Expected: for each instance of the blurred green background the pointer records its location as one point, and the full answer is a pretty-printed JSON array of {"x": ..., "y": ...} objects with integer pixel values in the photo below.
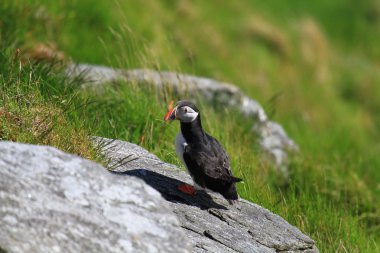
[{"x": 313, "y": 65}]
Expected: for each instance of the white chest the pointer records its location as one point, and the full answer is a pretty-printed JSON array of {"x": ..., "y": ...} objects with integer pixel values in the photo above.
[{"x": 180, "y": 145}]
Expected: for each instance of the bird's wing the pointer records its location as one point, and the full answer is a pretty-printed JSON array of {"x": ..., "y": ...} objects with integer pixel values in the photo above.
[{"x": 212, "y": 161}]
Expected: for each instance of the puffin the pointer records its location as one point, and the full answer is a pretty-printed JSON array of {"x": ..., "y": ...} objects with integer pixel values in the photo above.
[{"x": 204, "y": 157}]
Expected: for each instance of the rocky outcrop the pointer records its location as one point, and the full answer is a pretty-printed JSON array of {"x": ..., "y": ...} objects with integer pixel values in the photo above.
[
  {"x": 272, "y": 138},
  {"x": 208, "y": 221},
  {"x": 56, "y": 202},
  {"x": 51, "y": 201}
]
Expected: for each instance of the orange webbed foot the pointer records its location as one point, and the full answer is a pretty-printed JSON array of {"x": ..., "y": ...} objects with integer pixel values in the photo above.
[{"x": 187, "y": 189}]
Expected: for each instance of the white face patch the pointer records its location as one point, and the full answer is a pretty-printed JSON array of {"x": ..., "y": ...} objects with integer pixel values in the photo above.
[{"x": 186, "y": 114}]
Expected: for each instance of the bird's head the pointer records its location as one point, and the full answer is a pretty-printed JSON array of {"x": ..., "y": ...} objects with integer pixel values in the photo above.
[{"x": 184, "y": 111}]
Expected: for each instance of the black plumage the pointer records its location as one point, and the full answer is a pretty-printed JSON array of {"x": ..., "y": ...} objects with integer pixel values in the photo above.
[{"x": 205, "y": 158}]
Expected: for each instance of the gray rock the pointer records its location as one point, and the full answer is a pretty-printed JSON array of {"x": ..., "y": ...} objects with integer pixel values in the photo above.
[
  {"x": 272, "y": 138},
  {"x": 51, "y": 201},
  {"x": 207, "y": 219}
]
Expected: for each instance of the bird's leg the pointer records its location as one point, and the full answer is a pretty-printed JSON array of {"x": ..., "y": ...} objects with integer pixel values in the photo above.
[{"x": 187, "y": 189}]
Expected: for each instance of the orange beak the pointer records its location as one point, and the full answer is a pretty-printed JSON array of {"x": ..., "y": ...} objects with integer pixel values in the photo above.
[{"x": 170, "y": 115}]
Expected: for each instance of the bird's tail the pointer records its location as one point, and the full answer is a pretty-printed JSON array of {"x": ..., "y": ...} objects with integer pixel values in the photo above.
[
  {"x": 231, "y": 194},
  {"x": 235, "y": 179}
]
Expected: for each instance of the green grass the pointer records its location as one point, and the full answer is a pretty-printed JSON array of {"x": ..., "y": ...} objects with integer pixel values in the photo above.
[{"x": 328, "y": 102}]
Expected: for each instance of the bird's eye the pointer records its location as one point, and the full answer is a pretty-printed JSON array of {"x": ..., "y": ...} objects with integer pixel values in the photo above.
[{"x": 185, "y": 110}]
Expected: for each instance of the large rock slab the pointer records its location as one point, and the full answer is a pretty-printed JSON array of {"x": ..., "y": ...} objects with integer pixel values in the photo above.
[
  {"x": 51, "y": 201},
  {"x": 207, "y": 219},
  {"x": 273, "y": 140}
]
